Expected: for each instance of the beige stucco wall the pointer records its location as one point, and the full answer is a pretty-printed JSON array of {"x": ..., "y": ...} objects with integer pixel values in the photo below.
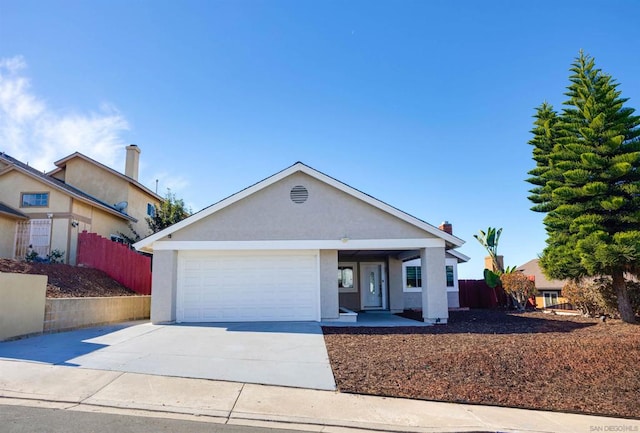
[
  {"x": 62, "y": 314},
  {"x": 96, "y": 181},
  {"x": 14, "y": 183},
  {"x": 60, "y": 236},
  {"x": 22, "y": 306},
  {"x": 329, "y": 306},
  {"x": 105, "y": 224},
  {"x": 137, "y": 208},
  {"x": 7, "y": 236},
  {"x": 164, "y": 283},
  {"x": 269, "y": 214},
  {"x": 112, "y": 189}
]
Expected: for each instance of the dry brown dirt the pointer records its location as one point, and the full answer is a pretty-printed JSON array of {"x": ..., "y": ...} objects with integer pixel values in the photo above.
[
  {"x": 528, "y": 360},
  {"x": 66, "y": 281}
]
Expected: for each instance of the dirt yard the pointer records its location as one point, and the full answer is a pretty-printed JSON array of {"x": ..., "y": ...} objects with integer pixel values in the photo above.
[
  {"x": 530, "y": 360},
  {"x": 67, "y": 281}
]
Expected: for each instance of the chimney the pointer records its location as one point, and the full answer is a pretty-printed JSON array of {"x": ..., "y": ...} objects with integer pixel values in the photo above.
[
  {"x": 446, "y": 227},
  {"x": 132, "y": 162}
]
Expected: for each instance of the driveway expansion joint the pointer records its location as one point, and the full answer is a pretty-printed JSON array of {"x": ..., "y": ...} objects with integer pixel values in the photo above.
[{"x": 101, "y": 388}]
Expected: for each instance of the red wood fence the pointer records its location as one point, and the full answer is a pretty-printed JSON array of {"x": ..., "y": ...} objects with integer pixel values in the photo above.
[
  {"x": 476, "y": 294},
  {"x": 124, "y": 265}
]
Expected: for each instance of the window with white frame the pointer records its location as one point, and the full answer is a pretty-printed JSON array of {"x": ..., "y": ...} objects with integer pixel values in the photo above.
[
  {"x": 550, "y": 298},
  {"x": 347, "y": 281},
  {"x": 413, "y": 277},
  {"x": 151, "y": 210},
  {"x": 450, "y": 278}
]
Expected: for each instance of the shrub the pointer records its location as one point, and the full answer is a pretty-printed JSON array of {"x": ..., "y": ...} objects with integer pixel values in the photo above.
[
  {"x": 55, "y": 256},
  {"x": 519, "y": 287},
  {"x": 596, "y": 297}
]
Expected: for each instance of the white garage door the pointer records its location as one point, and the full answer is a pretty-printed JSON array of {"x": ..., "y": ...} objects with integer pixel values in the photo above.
[{"x": 216, "y": 287}]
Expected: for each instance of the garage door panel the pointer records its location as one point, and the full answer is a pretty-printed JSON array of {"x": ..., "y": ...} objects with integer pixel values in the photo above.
[{"x": 265, "y": 287}]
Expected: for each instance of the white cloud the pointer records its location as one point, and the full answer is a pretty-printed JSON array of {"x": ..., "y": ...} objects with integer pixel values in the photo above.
[{"x": 35, "y": 133}]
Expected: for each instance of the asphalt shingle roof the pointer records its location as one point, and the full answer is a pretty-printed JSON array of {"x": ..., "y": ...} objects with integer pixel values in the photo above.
[{"x": 62, "y": 185}]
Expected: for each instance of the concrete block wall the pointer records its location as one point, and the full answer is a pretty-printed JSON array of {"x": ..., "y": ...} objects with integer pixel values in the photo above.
[{"x": 70, "y": 313}]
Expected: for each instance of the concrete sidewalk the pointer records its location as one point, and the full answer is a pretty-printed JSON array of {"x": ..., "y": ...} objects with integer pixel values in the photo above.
[{"x": 29, "y": 383}]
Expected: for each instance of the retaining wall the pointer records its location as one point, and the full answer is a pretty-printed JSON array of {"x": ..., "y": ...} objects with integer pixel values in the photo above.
[{"x": 63, "y": 314}]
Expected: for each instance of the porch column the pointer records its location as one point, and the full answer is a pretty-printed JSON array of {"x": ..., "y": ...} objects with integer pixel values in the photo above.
[
  {"x": 396, "y": 294},
  {"x": 329, "y": 299},
  {"x": 434, "y": 285}
]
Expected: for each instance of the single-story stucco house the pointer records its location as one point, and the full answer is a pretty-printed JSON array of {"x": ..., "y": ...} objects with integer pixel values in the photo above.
[{"x": 299, "y": 246}]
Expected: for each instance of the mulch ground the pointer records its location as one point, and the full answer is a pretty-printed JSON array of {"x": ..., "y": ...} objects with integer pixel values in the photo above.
[
  {"x": 66, "y": 281},
  {"x": 528, "y": 360}
]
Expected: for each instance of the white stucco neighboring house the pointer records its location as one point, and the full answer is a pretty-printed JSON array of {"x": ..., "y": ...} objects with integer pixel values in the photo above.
[{"x": 299, "y": 246}]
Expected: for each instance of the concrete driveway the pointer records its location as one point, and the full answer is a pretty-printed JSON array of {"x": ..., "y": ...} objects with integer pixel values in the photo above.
[{"x": 275, "y": 353}]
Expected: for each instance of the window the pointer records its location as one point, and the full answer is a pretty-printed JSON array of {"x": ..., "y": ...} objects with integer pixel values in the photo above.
[
  {"x": 414, "y": 276},
  {"x": 550, "y": 298},
  {"x": 449, "y": 276},
  {"x": 35, "y": 199},
  {"x": 151, "y": 210},
  {"x": 346, "y": 278},
  {"x": 117, "y": 238}
]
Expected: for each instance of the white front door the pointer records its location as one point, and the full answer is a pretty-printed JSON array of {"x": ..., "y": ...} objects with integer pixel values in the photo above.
[{"x": 372, "y": 285}]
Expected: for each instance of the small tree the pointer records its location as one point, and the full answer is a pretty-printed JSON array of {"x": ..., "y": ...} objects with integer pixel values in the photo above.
[
  {"x": 519, "y": 287},
  {"x": 170, "y": 211}
]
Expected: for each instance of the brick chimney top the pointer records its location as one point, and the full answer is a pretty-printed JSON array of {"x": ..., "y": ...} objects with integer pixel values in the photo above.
[{"x": 446, "y": 227}]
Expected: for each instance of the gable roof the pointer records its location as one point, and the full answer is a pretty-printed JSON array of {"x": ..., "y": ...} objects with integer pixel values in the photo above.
[
  {"x": 462, "y": 258},
  {"x": 7, "y": 210},
  {"x": 61, "y": 163},
  {"x": 532, "y": 267},
  {"x": 452, "y": 241},
  {"x": 20, "y": 166}
]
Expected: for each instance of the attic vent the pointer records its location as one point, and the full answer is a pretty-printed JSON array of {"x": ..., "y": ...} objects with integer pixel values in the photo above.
[{"x": 299, "y": 194}]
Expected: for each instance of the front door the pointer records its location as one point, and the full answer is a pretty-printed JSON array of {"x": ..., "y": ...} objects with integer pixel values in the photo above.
[{"x": 372, "y": 284}]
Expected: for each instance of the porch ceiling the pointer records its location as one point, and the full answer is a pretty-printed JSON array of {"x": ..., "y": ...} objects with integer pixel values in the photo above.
[{"x": 355, "y": 255}]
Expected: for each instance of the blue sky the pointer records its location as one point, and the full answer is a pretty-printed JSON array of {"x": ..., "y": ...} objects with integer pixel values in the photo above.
[{"x": 425, "y": 105}]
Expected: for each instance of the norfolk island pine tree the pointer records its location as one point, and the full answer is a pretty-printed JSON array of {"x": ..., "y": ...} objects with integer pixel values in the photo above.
[{"x": 587, "y": 181}]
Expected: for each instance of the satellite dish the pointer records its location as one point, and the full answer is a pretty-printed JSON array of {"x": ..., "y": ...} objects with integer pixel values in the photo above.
[{"x": 121, "y": 206}]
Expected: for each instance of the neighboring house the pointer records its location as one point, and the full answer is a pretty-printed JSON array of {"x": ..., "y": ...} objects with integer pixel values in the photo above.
[
  {"x": 9, "y": 218},
  {"x": 549, "y": 291},
  {"x": 297, "y": 246},
  {"x": 46, "y": 211}
]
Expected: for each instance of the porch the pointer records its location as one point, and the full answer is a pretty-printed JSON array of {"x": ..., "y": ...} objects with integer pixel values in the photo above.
[
  {"x": 373, "y": 282},
  {"x": 380, "y": 319}
]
